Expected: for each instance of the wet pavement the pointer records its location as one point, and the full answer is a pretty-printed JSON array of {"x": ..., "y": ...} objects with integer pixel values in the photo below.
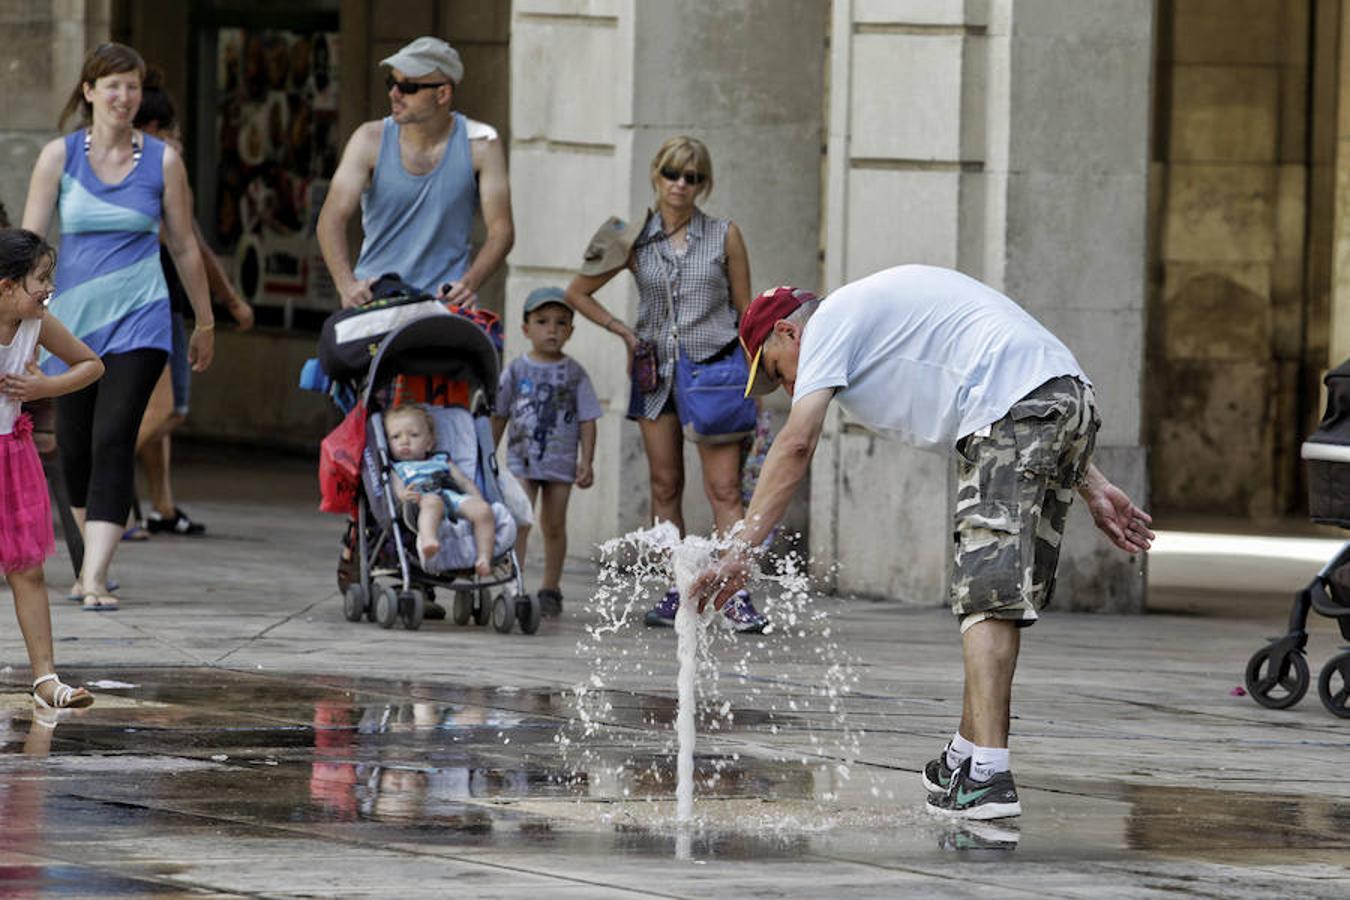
[{"x": 248, "y": 741}]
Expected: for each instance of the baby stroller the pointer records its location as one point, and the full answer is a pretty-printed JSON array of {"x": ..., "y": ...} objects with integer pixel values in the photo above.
[
  {"x": 1277, "y": 674},
  {"x": 390, "y": 585}
]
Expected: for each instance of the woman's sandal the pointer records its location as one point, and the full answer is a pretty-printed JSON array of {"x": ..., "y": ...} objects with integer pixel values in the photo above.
[
  {"x": 77, "y": 595},
  {"x": 100, "y": 603},
  {"x": 63, "y": 695}
]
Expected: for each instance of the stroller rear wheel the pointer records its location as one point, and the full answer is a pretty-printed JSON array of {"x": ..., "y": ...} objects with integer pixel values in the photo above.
[
  {"x": 502, "y": 618},
  {"x": 354, "y": 602},
  {"x": 1335, "y": 697},
  {"x": 482, "y": 612},
  {"x": 386, "y": 606},
  {"x": 461, "y": 608},
  {"x": 529, "y": 612},
  {"x": 1277, "y": 675},
  {"x": 411, "y": 609}
]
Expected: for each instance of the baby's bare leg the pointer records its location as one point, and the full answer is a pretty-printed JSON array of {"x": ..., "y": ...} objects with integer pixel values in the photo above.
[
  {"x": 479, "y": 515},
  {"x": 430, "y": 512}
]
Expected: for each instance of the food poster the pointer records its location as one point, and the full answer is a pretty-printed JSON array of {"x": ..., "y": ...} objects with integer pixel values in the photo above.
[{"x": 277, "y": 145}]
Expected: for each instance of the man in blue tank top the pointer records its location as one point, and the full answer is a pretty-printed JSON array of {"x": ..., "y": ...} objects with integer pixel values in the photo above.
[{"x": 418, "y": 176}]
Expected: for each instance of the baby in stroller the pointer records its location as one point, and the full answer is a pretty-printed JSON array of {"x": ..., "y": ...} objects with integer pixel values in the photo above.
[{"x": 433, "y": 488}]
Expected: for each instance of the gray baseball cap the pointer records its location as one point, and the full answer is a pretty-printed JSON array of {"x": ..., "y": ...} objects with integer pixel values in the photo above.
[
  {"x": 425, "y": 56},
  {"x": 543, "y": 296}
]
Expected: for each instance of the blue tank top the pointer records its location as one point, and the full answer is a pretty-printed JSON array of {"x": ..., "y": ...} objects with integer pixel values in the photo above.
[
  {"x": 110, "y": 288},
  {"x": 419, "y": 225}
]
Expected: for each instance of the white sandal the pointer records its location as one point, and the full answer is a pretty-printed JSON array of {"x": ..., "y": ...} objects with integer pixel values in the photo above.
[{"x": 63, "y": 697}]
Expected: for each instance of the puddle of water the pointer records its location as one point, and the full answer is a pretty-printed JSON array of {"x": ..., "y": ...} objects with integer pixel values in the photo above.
[{"x": 440, "y": 774}]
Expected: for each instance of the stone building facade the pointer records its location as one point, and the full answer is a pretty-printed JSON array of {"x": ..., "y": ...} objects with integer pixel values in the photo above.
[{"x": 1153, "y": 179}]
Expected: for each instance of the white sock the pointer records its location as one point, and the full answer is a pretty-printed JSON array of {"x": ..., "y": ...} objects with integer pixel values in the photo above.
[
  {"x": 986, "y": 762},
  {"x": 958, "y": 751}
]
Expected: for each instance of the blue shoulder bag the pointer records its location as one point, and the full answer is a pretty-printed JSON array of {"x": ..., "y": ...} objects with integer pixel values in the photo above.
[{"x": 710, "y": 395}]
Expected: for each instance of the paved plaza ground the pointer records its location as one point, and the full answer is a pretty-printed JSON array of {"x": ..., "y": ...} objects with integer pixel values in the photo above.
[{"x": 261, "y": 745}]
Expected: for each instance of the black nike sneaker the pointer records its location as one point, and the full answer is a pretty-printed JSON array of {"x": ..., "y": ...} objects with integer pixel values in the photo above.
[
  {"x": 937, "y": 775},
  {"x": 967, "y": 798}
]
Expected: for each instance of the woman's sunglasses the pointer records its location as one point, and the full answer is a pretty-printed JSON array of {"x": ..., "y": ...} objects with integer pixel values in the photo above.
[
  {"x": 691, "y": 178},
  {"x": 407, "y": 88}
]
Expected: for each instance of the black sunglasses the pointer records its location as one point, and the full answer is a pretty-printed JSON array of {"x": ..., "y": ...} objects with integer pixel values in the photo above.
[
  {"x": 408, "y": 88},
  {"x": 693, "y": 179}
]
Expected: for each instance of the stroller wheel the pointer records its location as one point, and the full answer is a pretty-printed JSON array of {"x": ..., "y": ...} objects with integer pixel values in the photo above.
[
  {"x": 386, "y": 606},
  {"x": 461, "y": 608},
  {"x": 1335, "y": 696},
  {"x": 411, "y": 609},
  {"x": 502, "y": 619},
  {"x": 1277, "y": 675},
  {"x": 529, "y": 612},
  {"x": 482, "y": 611},
  {"x": 354, "y": 602}
]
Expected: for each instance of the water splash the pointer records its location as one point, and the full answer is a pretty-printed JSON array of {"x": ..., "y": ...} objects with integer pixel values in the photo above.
[{"x": 779, "y": 696}]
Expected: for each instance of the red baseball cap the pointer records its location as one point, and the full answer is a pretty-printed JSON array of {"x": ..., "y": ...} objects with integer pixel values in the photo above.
[{"x": 757, "y": 324}]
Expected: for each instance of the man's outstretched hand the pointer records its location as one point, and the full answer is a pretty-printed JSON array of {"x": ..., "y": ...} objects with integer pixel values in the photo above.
[
  {"x": 720, "y": 581},
  {"x": 1115, "y": 514}
]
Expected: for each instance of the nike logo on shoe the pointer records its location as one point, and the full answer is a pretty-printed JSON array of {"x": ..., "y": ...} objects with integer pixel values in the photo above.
[{"x": 963, "y": 796}]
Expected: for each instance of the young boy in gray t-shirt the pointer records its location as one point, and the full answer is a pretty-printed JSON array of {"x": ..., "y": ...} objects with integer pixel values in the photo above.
[{"x": 547, "y": 407}]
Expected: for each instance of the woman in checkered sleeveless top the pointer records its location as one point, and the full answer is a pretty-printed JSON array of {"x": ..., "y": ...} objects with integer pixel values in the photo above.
[{"x": 693, "y": 277}]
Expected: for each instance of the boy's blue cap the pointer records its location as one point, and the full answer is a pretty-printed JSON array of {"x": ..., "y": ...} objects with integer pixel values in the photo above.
[{"x": 544, "y": 296}]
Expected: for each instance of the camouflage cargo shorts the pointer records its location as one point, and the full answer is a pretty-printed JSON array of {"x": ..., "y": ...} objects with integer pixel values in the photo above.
[{"x": 1015, "y": 482}]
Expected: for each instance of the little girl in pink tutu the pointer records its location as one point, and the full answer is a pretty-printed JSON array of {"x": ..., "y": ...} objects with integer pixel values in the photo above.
[{"x": 26, "y": 265}]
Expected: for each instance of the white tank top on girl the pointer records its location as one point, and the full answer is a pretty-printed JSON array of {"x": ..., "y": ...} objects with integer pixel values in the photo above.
[
  {"x": 926, "y": 355},
  {"x": 14, "y": 359}
]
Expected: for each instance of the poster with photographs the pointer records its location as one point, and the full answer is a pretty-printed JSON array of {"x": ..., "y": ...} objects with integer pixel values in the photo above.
[{"x": 278, "y": 146}]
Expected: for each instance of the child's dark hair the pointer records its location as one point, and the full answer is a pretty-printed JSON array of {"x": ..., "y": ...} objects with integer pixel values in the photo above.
[
  {"x": 4, "y": 216},
  {"x": 156, "y": 102},
  {"x": 106, "y": 59},
  {"x": 22, "y": 252}
]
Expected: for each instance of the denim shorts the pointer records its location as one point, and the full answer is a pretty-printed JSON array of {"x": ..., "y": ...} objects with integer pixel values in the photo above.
[{"x": 180, "y": 371}]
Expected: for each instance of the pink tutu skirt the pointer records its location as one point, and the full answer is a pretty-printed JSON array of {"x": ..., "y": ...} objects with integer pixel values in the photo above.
[{"x": 26, "y": 538}]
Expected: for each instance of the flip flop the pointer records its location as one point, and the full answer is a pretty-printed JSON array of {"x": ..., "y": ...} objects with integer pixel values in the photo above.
[
  {"x": 135, "y": 533},
  {"x": 100, "y": 603},
  {"x": 113, "y": 585}
]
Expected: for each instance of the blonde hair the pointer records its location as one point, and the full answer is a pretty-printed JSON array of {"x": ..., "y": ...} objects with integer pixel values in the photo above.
[
  {"x": 412, "y": 409},
  {"x": 684, "y": 152}
]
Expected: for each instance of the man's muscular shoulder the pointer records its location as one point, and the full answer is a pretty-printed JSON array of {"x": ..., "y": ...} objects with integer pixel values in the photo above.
[{"x": 365, "y": 141}]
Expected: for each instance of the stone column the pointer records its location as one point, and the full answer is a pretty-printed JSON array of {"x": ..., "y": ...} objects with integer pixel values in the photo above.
[
  {"x": 45, "y": 43},
  {"x": 1339, "y": 347},
  {"x": 596, "y": 87},
  {"x": 1007, "y": 139},
  {"x": 906, "y": 166},
  {"x": 1074, "y": 223}
]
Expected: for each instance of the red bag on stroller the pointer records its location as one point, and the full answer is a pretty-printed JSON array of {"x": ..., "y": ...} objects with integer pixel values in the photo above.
[{"x": 340, "y": 463}]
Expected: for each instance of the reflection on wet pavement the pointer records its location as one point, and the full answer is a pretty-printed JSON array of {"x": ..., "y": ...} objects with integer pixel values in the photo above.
[{"x": 171, "y": 788}]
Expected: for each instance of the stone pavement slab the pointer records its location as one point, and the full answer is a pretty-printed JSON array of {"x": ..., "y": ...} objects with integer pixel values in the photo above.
[{"x": 263, "y": 746}]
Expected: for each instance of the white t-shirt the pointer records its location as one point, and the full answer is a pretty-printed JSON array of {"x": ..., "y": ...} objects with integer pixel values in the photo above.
[{"x": 926, "y": 355}]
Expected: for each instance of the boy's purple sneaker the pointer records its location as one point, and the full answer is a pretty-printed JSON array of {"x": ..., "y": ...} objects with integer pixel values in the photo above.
[
  {"x": 743, "y": 616},
  {"x": 740, "y": 613},
  {"x": 662, "y": 615}
]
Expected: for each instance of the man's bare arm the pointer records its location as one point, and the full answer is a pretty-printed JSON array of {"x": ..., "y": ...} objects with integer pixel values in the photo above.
[
  {"x": 786, "y": 465},
  {"x": 343, "y": 200},
  {"x": 494, "y": 198}
]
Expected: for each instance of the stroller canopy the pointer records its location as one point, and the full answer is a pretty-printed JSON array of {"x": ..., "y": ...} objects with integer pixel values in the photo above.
[
  {"x": 1335, "y": 425},
  {"x": 451, "y": 346}
]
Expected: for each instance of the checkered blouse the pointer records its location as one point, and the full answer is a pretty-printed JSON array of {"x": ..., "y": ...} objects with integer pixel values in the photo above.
[{"x": 705, "y": 318}]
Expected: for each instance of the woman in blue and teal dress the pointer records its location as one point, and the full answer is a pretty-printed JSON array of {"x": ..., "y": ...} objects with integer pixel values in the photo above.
[{"x": 115, "y": 187}]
